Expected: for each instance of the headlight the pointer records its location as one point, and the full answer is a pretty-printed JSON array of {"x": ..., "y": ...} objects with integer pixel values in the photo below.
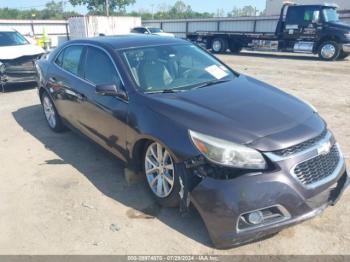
[
  {"x": 347, "y": 35},
  {"x": 227, "y": 153},
  {"x": 2, "y": 68}
]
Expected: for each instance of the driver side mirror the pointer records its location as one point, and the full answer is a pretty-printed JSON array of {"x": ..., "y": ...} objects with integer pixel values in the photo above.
[{"x": 111, "y": 90}]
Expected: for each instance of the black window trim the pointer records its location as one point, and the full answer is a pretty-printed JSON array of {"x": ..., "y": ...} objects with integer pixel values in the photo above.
[{"x": 84, "y": 45}]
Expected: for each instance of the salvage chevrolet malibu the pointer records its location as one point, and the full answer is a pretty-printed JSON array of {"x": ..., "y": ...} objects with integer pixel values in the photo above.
[{"x": 249, "y": 157}]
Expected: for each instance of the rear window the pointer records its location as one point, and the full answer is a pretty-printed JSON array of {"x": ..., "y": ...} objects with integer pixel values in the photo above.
[{"x": 302, "y": 15}]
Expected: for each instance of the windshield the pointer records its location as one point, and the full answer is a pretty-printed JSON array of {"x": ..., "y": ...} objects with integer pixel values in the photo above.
[
  {"x": 155, "y": 30},
  {"x": 174, "y": 68},
  {"x": 12, "y": 39},
  {"x": 330, "y": 15}
]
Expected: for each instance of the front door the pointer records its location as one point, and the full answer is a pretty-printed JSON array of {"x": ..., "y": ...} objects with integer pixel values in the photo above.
[
  {"x": 302, "y": 23},
  {"x": 103, "y": 118}
]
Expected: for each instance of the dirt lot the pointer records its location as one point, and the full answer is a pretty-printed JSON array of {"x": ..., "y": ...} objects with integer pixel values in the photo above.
[{"x": 60, "y": 194}]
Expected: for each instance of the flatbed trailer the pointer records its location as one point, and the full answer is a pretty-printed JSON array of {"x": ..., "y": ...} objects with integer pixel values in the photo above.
[{"x": 312, "y": 29}]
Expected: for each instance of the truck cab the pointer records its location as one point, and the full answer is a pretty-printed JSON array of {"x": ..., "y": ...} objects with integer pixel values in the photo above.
[{"x": 313, "y": 29}]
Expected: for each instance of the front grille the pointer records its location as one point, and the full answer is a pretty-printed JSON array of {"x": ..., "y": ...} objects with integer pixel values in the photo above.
[
  {"x": 300, "y": 147},
  {"x": 318, "y": 168}
]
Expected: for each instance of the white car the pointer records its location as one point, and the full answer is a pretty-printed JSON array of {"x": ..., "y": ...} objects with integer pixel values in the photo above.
[
  {"x": 151, "y": 31},
  {"x": 17, "y": 57}
]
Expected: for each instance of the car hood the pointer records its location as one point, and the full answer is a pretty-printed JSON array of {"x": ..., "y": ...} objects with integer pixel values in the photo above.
[
  {"x": 14, "y": 52},
  {"x": 340, "y": 25},
  {"x": 243, "y": 111}
]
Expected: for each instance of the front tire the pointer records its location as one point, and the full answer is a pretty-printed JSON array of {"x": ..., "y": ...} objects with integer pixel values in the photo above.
[
  {"x": 235, "y": 47},
  {"x": 53, "y": 119},
  {"x": 329, "y": 51},
  {"x": 343, "y": 56},
  {"x": 162, "y": 178}
]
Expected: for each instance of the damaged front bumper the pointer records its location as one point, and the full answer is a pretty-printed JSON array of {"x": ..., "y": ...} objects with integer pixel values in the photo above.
[
  {"x": 224, "y": 204},
  {"x": 20, "y": 70}
]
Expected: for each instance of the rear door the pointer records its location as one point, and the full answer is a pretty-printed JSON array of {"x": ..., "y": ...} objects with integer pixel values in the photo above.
[
  {"x": 64, "y": 79},
  {"x": 302, "y": 23}
]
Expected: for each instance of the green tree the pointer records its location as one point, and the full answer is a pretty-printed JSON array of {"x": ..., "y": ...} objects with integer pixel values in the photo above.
[
  {"x": 99, "y": 6},
  {"x": 53, "y": 10},
  {"x": 245, "y": 11}
]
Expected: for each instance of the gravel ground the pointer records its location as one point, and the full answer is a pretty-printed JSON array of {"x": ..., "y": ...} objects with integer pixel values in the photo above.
[{"x": 60, "y": 194}]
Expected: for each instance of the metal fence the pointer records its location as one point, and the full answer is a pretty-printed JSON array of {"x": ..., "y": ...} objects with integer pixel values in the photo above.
[
  {"x": 57, "y": 30},
  {"x": 256, "y": 24}
]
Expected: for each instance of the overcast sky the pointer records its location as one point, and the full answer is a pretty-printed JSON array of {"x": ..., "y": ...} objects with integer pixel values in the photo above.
[{"x": 197, "y": 5}]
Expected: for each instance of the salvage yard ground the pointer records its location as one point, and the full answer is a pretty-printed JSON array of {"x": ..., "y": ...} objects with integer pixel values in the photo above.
[{"x": 61, "y": 194}]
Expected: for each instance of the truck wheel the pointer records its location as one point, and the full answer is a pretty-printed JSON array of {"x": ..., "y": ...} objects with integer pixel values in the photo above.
[
  {"x": 219, "y": 45},
  {"x": 343, "y": 56},
  {"x": 235, "y": 48},
  {"x": 329, "y": 51}
]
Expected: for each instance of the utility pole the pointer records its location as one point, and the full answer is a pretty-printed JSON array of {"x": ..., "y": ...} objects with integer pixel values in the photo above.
[
  {"x": 152, "y": 5},
  {"x": 107, "y": 7}
]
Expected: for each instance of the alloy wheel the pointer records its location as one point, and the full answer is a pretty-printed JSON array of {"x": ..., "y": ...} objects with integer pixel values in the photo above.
[
  {"x": 49, "y": 111},
  {"x": 159, "y": 169}
]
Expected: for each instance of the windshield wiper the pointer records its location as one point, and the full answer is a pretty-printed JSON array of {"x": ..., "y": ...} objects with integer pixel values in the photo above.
[
  {"x": 166, "y": 91},
  {"x": 210, "y": 83}
]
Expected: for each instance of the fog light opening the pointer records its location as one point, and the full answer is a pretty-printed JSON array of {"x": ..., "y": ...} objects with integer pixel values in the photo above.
[
  {"x": 255, "y": 218},
  {"x": 262, "y": 217}
]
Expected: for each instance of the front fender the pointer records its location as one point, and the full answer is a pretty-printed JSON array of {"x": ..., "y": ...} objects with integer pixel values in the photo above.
[{"x": 145, "y": 124}]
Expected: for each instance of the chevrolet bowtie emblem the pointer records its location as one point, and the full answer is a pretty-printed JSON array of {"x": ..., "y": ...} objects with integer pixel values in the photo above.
[{"x": 324, "y": 149}]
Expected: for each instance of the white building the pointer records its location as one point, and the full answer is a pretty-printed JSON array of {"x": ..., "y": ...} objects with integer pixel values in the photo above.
[{"x": 273, "y": 7}]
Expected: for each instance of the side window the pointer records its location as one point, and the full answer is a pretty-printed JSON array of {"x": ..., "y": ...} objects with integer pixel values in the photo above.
[
  {"x": 99, "y": 68},
  {"x": 295, "y": 15},
  {"x": 310, "y": 15},
  {"x": 69, "y": 59},
  {"x": 302, "y": 15},
  {"x": 139, "y": 30},
  {"x": 59, "y": 59}
]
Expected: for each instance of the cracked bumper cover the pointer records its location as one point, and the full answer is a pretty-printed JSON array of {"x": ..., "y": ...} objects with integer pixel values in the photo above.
[{"x": 221, "y": 202}]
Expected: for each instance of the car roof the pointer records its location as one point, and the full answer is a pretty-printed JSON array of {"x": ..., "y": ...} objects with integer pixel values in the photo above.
[
  {"x": 318, "y": 5},
  {"x": 131, "y": 41}
]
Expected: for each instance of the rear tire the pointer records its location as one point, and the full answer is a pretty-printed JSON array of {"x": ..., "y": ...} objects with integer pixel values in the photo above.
[
  {"x": 53, "y": 119},
  {"x": 219, "y": 45},
  {"x": 343, "y": 56},
  {"x": 161, "y": 175},
  {"x": 329, "y": 51},
  {"x": 235, "y": 48}
]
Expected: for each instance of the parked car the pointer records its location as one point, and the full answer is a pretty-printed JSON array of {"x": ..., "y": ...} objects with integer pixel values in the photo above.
[
  {"x": 251, "y": 158},
  {"x": 151, "y": 31},
  {"x": 17, "y": 58}
]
